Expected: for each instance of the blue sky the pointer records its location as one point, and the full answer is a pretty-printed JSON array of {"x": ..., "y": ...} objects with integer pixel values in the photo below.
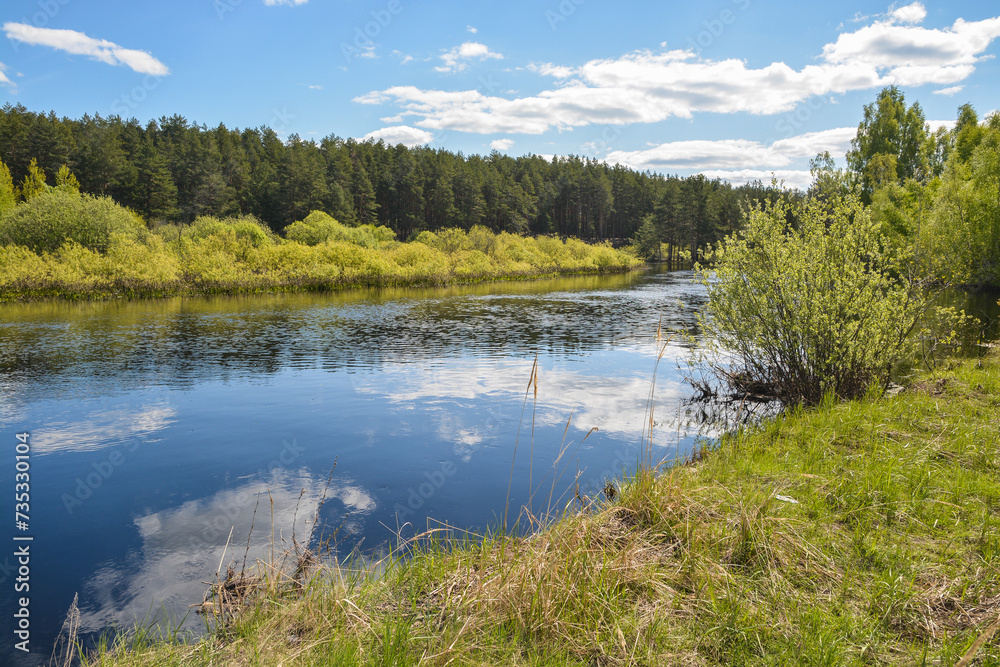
[{"x": 737, "y": 89}]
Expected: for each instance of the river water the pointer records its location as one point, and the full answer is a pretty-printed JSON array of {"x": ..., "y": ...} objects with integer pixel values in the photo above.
[{"x": 160, "y": 431}]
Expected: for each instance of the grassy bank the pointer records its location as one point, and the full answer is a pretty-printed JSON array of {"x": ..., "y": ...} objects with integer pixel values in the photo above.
[
  {"x": 858, "y": 533},
  {"x": 233, "y": 256}
]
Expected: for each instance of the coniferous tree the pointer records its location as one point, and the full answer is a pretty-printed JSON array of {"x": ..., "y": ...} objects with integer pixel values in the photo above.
[
  {"x": 34, "y": 182},
  {"x": 66, "y": 181},
  {"x": 8, "y": 192}
]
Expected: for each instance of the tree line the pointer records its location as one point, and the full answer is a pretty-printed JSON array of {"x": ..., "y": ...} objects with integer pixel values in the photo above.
[{"x": 172, "y": 170}]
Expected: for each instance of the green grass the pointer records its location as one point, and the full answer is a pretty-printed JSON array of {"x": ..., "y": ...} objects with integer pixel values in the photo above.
[
  {"x": 889, "y": 555},
  {"x": 237, "y": 256}
]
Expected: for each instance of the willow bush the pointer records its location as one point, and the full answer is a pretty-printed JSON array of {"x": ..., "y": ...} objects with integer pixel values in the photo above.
[
  {"x": 319, "y": 227},
  {"x": 245, "y": 228},
  {"x": 239, "y": 254},
  {"x": 55, "y": 217},
  {"x": 825, "y": 307}
]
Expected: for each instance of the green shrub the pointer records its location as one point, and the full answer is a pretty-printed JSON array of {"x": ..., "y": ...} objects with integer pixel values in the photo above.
[
  {"x": 482, "y": 239},
  {"x": 318, "y": 227},
  {"x": 381, "y": 233},
  {"x": 246, "y": 228},
  {"x": 822, "y": 308},
  {"x": 52, "y": 218},
  {"x": 427, "y": 238}
]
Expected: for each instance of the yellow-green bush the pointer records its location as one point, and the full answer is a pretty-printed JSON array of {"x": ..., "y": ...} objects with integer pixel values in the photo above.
[
  {"x": 474, "y": 264},
  {"x": 20, "y": 266},
  {"x": 319, "y": 227},
  {"x": 298, "y": 264},
  {"x": 55, "y": 217},
  {"x": 129, "y": 267},
  {"x": 239, "y": 254},
  {"x": 245, "y": 228},
  {"x": 482, "y": 239}
]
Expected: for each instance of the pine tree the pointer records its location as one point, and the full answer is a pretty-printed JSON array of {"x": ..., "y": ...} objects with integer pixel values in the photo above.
[
  {"x": 8, "y": 193},
  {"x": 34, "y": 182},
  {"x": 66, "y": 181}
]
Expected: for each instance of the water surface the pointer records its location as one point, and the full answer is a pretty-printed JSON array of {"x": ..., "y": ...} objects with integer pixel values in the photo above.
[{"x": 158, "y": 428}]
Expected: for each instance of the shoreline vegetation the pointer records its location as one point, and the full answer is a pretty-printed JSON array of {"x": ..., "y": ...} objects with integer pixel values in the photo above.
[
  {"x": 848, "y": 533},
  {"x": 111, "y": 254}
]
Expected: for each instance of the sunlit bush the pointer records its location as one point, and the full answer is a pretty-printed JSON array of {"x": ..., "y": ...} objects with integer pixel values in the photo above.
[
  {"x": 482, "y": 239},
  {"x": 245, "y": 228},
  {"x": 298, "y": 264},
  {"x": 822, "y": 308},
  {"x": 240, "y": 254},
  {"x": 55, "y": 217},
  {"x": 319, "y": 227},
  {"x": 127, "y": 268},
  {"x": 473, "y": 264}
]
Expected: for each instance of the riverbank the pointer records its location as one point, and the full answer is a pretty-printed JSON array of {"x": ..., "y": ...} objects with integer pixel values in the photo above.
[
  {"x": 223, "y": 262},
  {"x": 854, "y": 533}
]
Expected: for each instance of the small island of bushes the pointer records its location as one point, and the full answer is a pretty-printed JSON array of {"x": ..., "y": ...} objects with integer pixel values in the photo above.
[{"x": 62, "y": 243}]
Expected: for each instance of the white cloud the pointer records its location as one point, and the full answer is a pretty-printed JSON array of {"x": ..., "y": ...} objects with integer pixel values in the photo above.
[
  {"x": 501, "y": 144},
  {"x": 168, "y": 578},
  {"x": 837, "y": 141},
  {"x": 912, "y": 55},
  {"x": 951, "y": 90},
  {"x": 472, "y": 29},
  {"x": 373, "y": 97},
  {"x": 789, "y": 178},
  {"x": 935, "y": 125},
  {"x": 648, "y": 87},
  {"x": 555, "y": 71},
  {"x": 914, "y": 13},
  {"x": 316, "y": 87},
  {"x": 456, "y": 59},
  {"x": 290, "y": 3},
  {"x": 739, "y": 158},
  {"x": 103, "y": 430},
  {"x": 617, "y": 405},
  {"x": 80, "y": 44},
  {"x": 4, "y": 80},
  {"x": 700, "y": 154},
  {"x": 400, "y": 134}
]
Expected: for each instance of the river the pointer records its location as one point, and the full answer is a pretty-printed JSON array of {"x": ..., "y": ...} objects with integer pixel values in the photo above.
[{"x": 161, "y": 430}]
